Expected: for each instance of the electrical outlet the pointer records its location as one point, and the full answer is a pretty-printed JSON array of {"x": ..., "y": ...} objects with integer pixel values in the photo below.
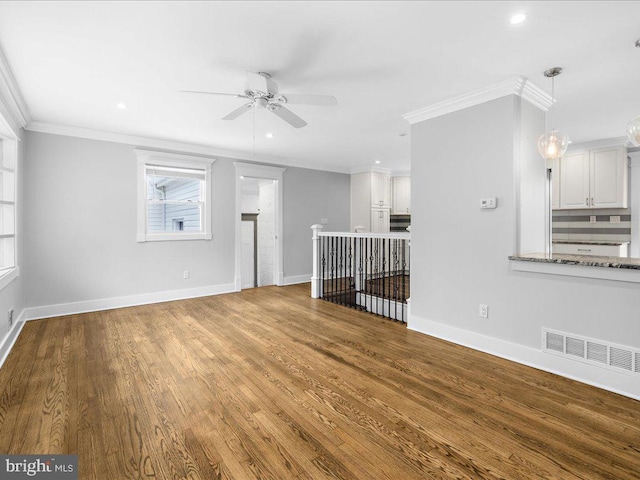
[
  {"x": 185, "y": 274},
  {"x": 614, "y": 219},
  {"x": 592, "y": 219},
  {"x": 10, "y": 317},
  {"x": 483, "y": 311}
]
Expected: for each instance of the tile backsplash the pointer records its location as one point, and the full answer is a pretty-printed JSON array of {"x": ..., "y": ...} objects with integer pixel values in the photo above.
[{"x": 575, "y": 225}]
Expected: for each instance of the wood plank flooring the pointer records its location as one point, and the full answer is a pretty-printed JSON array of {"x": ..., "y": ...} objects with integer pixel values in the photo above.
[{"x": 271, "y": 384}]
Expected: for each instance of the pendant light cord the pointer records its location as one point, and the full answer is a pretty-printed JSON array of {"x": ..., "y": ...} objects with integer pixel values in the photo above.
[
  {"x": 553, "y": 100},
  {"x": 254, "y": 130}
]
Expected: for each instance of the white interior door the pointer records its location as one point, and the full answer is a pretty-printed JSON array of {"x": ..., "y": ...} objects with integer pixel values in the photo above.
[{"x": 248, "y": 254}]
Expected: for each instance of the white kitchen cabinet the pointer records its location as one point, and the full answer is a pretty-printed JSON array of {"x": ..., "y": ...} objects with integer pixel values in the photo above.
[
  {"x": 380, "y": 190},
  {"x": 380, "y": 220},
  {"x": 401, "y": 195},
  {"x": 370, "y": 192},
  {"x": 591, "y": 249},
  {"x": 594, "y": 179}
]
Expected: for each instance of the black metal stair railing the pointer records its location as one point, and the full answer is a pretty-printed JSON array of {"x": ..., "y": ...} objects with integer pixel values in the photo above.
[{"x": 365, "y": 271}]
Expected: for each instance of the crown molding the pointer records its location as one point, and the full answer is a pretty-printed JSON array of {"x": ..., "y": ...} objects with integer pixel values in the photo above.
[
  {"x": 520, "y": 86},
  {"x": 600, "y": 143},
  {"x": 173, "y": 145},
  {"x": 11, "y": 96},
  {"x": 369, "y": 169}
]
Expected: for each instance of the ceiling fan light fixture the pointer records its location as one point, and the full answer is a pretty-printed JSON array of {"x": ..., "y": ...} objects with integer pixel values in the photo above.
[{"x": 633, "y": 131}]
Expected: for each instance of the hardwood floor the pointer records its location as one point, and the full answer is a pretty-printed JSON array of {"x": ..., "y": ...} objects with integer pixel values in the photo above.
[{"x": 271, "y": 384}]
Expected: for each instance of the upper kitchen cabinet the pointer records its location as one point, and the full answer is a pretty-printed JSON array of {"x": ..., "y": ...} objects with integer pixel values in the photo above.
[
  {"x": 593, "y": 179},
  {"x": 401, "y": 195},
  {"x": 380, "y": 190}
]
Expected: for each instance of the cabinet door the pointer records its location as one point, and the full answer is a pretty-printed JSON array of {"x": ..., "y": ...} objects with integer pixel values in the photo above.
[
  {"x": 609, "y": 175},
  {"x": 380, "y": 190},
  {"x": 574, "y": 181},
  {"x": 401, "y": 201},
  {"x": 380, "y": 221}
]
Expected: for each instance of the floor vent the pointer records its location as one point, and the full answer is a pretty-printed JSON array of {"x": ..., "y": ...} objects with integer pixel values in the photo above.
[{"x": 596, "y": 352}]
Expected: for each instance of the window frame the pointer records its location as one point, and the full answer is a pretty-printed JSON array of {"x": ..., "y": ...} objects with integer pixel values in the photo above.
[
  {"x": 147, "y": 158},
  {"x": 9, "y": 146}
]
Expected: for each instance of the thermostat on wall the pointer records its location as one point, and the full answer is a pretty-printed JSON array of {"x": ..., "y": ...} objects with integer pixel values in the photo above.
[{"x": 489, "y": 202}]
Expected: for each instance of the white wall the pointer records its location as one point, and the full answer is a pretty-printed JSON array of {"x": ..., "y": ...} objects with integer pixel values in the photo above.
[
  {"x": 459, "y": 252},
  {"x": 80, "y": 249},
  {"x": 310, "y": 196}
]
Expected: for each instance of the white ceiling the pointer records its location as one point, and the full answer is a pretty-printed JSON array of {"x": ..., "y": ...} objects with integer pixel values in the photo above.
[{"x": 74, "y": 61}]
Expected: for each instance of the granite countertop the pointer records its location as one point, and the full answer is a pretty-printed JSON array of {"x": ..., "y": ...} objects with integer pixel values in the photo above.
[
  {"x": 585, "y": 260},
  {"x": 591, "y": 242}
]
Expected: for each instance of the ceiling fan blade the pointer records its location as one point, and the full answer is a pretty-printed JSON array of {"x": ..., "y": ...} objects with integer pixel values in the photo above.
[
  {"x": 257, "y": 82},
  {"x": 215, "y": 93},
  {"x": 322, "y": 100},
  {"x": 287, "y": 115},
  {"x": 238, "y": 111}
]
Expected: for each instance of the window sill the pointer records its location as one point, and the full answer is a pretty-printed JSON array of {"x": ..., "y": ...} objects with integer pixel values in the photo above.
[
  {"x": 9, "y": 276},
  {"x": 166, "y": 237},
  {"x": 604, "y": 268}
]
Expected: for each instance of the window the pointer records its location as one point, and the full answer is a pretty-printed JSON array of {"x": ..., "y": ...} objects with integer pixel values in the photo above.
[
  {"x": 8, "y": 270},
  {"x": 174, "y": 196}
]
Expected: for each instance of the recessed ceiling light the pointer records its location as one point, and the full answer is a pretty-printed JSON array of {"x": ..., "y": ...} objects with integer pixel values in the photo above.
[
  {"x": 377, "y": 162},
  {"x": 121, "y": 106},
  {"x": 269, "y": 135},
  {"x": 518, "y": 18}
]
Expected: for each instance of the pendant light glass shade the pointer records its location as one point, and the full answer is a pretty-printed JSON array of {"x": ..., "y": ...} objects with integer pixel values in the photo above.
[
  {"x": 553, "y": 145},
  {"x": 633, "y": 131}
]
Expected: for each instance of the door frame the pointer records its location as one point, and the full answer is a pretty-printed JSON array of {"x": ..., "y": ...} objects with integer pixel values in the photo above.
[{"x": 269, "y": 173}]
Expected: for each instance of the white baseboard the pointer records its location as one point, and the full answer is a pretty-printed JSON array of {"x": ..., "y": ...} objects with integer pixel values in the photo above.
[
  {"x": 6, "y": 344},
  {"x": 297, "y": 279},
  {"x": 34, "y": 313},
  {"x": 622, "y": 383}
]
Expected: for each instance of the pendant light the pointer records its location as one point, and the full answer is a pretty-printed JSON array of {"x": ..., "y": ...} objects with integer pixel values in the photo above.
[{"x": 553, "y": 145}]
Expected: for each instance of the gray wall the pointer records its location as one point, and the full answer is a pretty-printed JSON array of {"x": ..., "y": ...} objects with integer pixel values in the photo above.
[
  {"x": 80, "y": 225},
  {"x": 459, "y": 252},
  {"x": 309, "y": 196}
]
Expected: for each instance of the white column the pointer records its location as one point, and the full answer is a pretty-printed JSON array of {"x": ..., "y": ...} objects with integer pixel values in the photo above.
[
  {"x": 316, "y": 290},
  {"x": 634, "y": 203}
]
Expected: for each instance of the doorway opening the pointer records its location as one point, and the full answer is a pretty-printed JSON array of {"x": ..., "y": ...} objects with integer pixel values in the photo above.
[
  {"x": 258, "y": 232},
  {"x": 258, "y": 226}
]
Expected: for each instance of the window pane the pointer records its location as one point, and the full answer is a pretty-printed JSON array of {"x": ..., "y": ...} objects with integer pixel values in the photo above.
[
  {"x": 7, "y": 220},
  {"x": 171, "y": 188},
  {"x": 7, "y": 186},
  {"x": 7, "y": 252},
  {"x": 167, "y": 217}
]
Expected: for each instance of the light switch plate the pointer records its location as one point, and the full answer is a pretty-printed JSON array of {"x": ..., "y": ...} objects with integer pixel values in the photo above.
[
  {"x": 592, "y": 219},
  {"x": 614, "y": 219}
]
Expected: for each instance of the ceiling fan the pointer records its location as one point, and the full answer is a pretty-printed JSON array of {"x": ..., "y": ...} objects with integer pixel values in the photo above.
[{"x": 262, "y": 92}]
